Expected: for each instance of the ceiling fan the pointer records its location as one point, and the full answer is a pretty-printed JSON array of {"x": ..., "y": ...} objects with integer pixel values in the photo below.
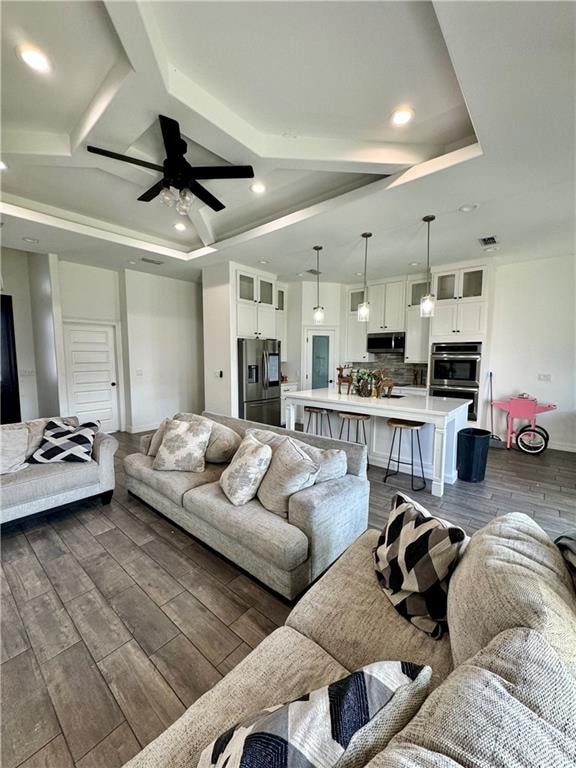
[{"x": 178, "y": 173}]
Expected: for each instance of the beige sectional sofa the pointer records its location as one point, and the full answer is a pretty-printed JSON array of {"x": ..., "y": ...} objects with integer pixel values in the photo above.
[
  {"x": 286, "y": 554},
  {"x": 504, "y": 685},
  {"x": 39, "y": 487}
]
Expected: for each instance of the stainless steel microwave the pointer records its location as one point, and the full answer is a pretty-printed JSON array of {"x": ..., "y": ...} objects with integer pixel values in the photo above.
[{"x": 385, "y": 342}]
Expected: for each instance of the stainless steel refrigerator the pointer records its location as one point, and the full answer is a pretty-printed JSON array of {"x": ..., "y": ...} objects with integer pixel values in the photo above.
[{"x": 259, "y": 380}]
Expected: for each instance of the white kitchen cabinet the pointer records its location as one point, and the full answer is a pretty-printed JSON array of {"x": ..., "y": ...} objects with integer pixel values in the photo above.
[
  {"x": 471, "y": 317},
  {"x": 266, "y": 322},
  {"x": 461, "y": 303},
  {"x": 247, "y": 320},
  {"x": 255, "y": 288},
  {"x": 460, "y": 284},
  {"x": 416, "y": 290},
  {"x": 284, "y": 389},
  {"x": 394, "y": 306},
  {"x": 376, "y": 297},
  {"x": 417, "y": 336},
  {"x": 281, "y": 321},
  {"x": 445, "y": 320},
  {"x": 356, "y": 341},
  {"x": 255, "y": 305}
]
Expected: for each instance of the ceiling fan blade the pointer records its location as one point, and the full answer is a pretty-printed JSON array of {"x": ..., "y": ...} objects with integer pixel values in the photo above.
[
  {"x": 206, "y": 197},
  {"x": 222, "y": 172},
  {"x": 173, "y": 142},
  {"x": 153, "y": 192},
  {"x": 125, "y": 159}
]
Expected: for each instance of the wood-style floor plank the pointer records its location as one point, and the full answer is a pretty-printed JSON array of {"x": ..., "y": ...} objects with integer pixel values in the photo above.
[
  {"x": 253, "y": 627},
  {"x": 135, "y": 529},
  {"x": 68, "y": 577},
  {"x": 86, "y": 709},
  {"x": 189, "y": 673},
  {"x": 78, "y": 539},
  {"x": 48, "y": 626},
  {"x": 258, "y": 597},
  {"x": 169, "y": 558},
  {"x": 148, "y": 702},
  {"x": 146, "y": 621},
  {"x": 13, "y": 638},
  {"x": 234, "y": 658},
  {"x": 113, "y": 751},
  {"x": 99, "y": 625},
  {"x": 26, "y": 577},
  {"x": 107, "y": 574},
  {"x": 28, "y": 718},
  {"x": 223, "y": 603},
  {"x": 119, "y": 545},
  {"x": 46, "y": 543},
  {"x": 93, "y": 519},
  {"x": 54, "y": 755},
  {"x": 153, "y": 579}
]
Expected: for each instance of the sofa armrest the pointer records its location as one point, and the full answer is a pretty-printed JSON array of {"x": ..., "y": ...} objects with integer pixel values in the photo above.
[
  {"x": 105, "y": 446},
  {"x": 145, "y": 441},
  {"x": 332, "y": 515}
]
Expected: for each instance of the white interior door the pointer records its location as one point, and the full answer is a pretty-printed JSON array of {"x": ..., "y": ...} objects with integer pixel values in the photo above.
[
  {"x": 91, "y": 373},
  {"x": 320, "y": 363}
]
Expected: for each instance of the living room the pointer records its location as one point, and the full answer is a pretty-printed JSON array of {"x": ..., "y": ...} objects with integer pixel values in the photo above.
[{"x": 288, "y": 384}]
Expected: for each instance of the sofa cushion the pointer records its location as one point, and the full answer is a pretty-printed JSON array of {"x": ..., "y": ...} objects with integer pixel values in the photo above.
[
  {"x": 512, "y": 705},
  {"x": 223, "y": 443},
  {"x": 155, "y": 440},
  {"x": 291, "y": 470},
  {"x": 39, "y": 481},
  {"x": 284, "y": 666},
  {"x": 511, "y": 575},
  {"x": 183, "y": 445},
  {"x": 13, "y": 446},
  {"x": 172, "y": 484},
  {"x": 252, "y": 526},
  {"x": 415, "y": 557},
  {"x": 36, "y": 430},
  {"x": 242, "y": 477},
  {"x": 347, "y": 722},
  {"x": 347, "y": 614},
  {"x": 332, "y": 462}
]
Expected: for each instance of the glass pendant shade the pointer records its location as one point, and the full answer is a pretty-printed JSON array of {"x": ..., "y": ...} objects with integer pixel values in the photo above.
[
  {"x": 427, "y": 305},
  {"x": 318, "y": 315},
  {"x": 363, "y": 312},
  {"x": 167, "y": 197}
]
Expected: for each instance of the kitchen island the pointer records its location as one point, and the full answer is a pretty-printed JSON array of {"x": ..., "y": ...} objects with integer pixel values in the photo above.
[{"x": 443, "y": 418}]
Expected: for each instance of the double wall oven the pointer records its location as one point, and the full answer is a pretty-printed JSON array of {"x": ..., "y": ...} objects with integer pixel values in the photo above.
[{"x": 455, "y": 372}]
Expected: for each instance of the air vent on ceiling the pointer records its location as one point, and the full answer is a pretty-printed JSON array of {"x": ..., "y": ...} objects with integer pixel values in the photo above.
[
  {"x": 313, "y": 272},
  {"x": 151, "y": 261},
  {"x": 486, "y": 241}
]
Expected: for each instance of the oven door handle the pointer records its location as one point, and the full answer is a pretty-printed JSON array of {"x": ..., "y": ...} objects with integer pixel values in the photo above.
[
  {"x": 457, "y": 389},
  {"x": 452, "y": 356}
]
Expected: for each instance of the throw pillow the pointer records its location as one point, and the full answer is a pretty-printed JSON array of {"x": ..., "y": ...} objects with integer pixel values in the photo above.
[
  {"x": 241, "y": 479},
  {"x": 61, "y": 442},
  {"x": 13, "y": 445},
  {"x": 157, "y": 437},
  {"x": 290, "y": 471},
  {"x": 344, "y": 724},
  {"x": 332, "y": 462},
  {"x": 184, "y": 445},
  {"x": 415, "y": 557}
]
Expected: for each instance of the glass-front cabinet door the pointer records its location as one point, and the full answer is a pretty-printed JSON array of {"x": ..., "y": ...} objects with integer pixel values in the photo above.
[
  {"x": 246, "y": 290},
  {"x": 446, "y": 286},
  {"x": 471, "y": 283},
  {"x": 266, "y": 292},
  {"x": 280, "y": 300},
  {"x": 416, "y": 291},
  {"x": 355, "y": 298}
]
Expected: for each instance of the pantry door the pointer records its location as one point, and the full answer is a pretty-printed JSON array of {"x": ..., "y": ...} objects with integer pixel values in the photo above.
[{"x": 91, "y": 373}]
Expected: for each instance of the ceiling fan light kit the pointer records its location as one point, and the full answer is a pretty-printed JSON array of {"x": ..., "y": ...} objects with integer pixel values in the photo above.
[
  {"x": 178, "y": 173},
  {"x": 428, "y": 302}
]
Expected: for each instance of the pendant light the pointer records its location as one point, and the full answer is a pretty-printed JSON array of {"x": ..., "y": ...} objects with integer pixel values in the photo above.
[
  {"x": 428, "y": 302},
  {"x": 364, "y": 307},
  {"x": 318, "y": 311}
]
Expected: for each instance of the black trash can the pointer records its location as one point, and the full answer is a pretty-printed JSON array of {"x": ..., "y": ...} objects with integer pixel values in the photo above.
[{"x": 472, "y": 454}]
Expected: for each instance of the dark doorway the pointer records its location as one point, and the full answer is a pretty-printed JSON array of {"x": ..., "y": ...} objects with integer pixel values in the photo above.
[{"x": 9, "y": 391}]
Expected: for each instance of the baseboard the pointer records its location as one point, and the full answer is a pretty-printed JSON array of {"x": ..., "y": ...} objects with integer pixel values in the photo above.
[
  {"x": 554, "y": 446},
  {"x": 134, "y": 429}
]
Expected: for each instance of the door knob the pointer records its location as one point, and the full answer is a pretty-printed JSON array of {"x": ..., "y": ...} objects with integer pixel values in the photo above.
[{"x": 113, "y": 384}]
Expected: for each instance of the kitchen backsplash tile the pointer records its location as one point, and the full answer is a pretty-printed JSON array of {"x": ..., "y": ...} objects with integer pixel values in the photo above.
[{"x": 403, "y": 373}]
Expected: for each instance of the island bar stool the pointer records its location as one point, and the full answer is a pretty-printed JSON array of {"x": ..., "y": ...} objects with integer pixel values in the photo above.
[
  {"x": 412, "y": 426},
  {"x": 317, "y": 414},
  {"x": 359, "y": 418}
]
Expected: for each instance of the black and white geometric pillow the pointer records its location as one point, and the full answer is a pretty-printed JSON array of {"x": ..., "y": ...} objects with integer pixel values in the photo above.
[
  {"x": 415, "y": 557},
  {"x": 344, "y": 724},
  {"x": 61, "y": 442}
]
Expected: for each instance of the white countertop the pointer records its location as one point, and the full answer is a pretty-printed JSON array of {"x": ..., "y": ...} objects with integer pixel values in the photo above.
[{"x": 423, "y": 405}]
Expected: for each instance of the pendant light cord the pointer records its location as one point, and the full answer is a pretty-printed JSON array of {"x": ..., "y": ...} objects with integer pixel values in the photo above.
[
  {"x": 318, "y": 248},
  {"x": 366, "y": 236},
  {"x": 428, "y": 219}
]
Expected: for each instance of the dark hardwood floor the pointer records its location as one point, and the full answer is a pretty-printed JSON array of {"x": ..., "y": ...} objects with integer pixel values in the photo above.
[{"x": 114, "y": 620}]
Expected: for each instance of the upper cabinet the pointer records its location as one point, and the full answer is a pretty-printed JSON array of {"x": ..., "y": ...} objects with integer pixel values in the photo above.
[
  {"x": 415, "y": 290},
  {"x": 252, "y": 287},
  {"x": 387, "y": 304},
  {"x": 281, "y": 322},
  {"x": 255, "y": 305},
  {"x": 461, "y": 303}
]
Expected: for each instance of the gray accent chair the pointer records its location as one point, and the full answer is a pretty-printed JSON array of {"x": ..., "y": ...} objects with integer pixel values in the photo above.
[
  {"x": 39, "y": 487},
  {"x": 286, "y": 554}
]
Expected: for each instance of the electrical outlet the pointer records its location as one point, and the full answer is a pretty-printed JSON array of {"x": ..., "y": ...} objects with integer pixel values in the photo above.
[{"x": 544, "y": 377}]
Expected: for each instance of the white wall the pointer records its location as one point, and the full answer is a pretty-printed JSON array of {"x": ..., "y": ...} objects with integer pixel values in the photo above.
[
  {"x": 15, "y": 278},
  {"x": 88, "y": 293},
  {"x": 45, "y": 334},
  {"x": 164, "y": 336},
  {"x": 534, "y": 333},
  {"x": 220, "y": 353}
]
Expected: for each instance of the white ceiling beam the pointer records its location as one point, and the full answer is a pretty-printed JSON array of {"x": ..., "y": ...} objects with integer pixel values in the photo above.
[
  {"x": 18, "y": 142},
  {"x": 198, "y": 215}
]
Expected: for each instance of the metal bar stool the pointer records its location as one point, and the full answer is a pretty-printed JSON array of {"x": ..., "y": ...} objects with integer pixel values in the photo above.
[
  {"x": 315, "y": 415},
  {"x": 359, "y": 418},
  {"x": 412, "y": 426}
]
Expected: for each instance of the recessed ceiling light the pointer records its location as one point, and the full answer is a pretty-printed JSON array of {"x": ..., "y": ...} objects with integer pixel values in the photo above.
[
  {"x": 180, "y": 227},
  {"x": 262, "y": 261},
  {"x": 258, "y": 187},
  {"x": 300, "y": 274},
  {"x": 131, "y": 261},
  {"x": 414, "y": 263},
  {"x": 34, "y": 58},
  {"x": 358, "y": 274},
  {"x": 468, "y": 207},
  {"x": 31, "y": 240},
  {"x": 402, "y": 116},
  {"x": 492, "y": 249},
  {"x": 3, "y": 165}
]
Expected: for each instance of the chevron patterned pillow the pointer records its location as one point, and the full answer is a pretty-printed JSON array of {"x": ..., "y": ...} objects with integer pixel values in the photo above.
[
  {"x": 61, "y": 442},
  {"x": 343, "y": 725},
  {"x": 415, "y": 557}
]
